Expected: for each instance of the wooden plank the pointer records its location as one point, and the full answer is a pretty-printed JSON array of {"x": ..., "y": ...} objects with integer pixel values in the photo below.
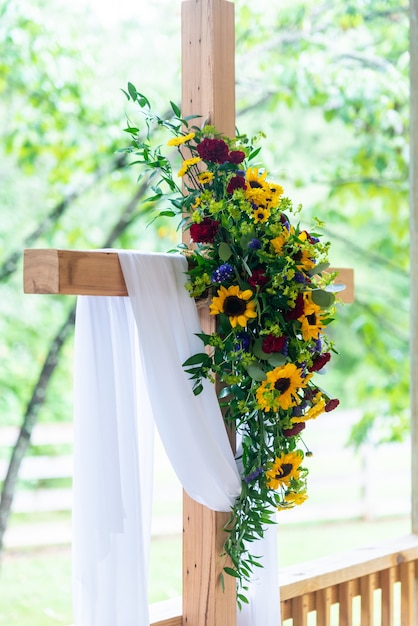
[
  {"x": 339, "y": 568},
  {"x": 208, "y": 62},
  {"x": 94, "y": 273},
  {"x": 208, "y": 90},
  {"x": 73, "y": 272},
  {"x": 408, "y": 600},
  {"x": 345, "y": 598},
  {"x": 203, "y": 540},
  {"x": 388, "y": 579},
  {"x": 323, "y": 606},
  {"x": 367, "y": 600}
]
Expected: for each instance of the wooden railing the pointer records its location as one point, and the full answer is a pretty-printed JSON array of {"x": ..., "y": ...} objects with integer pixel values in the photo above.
[{"x": 365, "y": 587}]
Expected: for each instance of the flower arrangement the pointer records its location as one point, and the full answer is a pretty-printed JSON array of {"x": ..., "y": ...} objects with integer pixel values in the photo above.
[{"x": 267, "y": 285}]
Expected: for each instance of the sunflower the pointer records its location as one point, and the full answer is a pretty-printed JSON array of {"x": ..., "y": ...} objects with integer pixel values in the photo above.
[
  {"x": 284, "y": 468},
  {"x": 279, "y": 389},
  {"x": 256, "y": 178},
  {"x": 236, "y": 304},
  {"x": 205, "y": 177},
  {"x": 278, "y": 244},
  {"x": 274, "y": 196},
  {"x": 261, "y": 215},
  {"x": 311, "y": 320},
  {"x": 302, "y": 254},
  {"x": 177, "y": 141}
]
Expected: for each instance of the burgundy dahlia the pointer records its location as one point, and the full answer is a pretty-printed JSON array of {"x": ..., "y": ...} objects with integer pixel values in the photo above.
[
  {"x": 273, "y": 344},
  {"x": 213, "y": 150},
  {"x": 295, "y": 430},
  {"x": 331, "y": 404},
  {"x": 236, "y": 156},
  {"x": 204, "y": 232},
  {"x": 236, "y": 182},
  {"x": 297, "y": 310},
  {"x": 319, "y": 362},
  {"x": 258, "y": 278}
]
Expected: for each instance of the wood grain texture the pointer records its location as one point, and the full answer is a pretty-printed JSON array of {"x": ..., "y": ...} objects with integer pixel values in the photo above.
[{"x": 97, "y": 273}]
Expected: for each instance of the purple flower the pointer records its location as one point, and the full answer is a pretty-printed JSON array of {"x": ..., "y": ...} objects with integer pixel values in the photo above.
[
  {"x": 253, "y": 475},
  {"x": 222, "y": 273},
  {"x": 255, "y": 244},
  {"x": 300, "y": 278},
  {"x": 244, "y": 342}
]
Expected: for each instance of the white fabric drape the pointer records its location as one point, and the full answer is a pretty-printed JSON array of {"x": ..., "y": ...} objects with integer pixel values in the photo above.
[{"x": 128, "y": 374}]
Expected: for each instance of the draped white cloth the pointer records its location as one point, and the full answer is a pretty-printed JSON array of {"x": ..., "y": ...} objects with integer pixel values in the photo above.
[{"x": 128, "y": 376}]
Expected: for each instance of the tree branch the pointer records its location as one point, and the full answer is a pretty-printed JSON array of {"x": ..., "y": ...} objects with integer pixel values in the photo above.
[{"x": 41, "y": 386}]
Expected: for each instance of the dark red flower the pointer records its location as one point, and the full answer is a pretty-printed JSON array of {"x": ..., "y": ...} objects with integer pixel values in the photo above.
[
  {"x": 236, "y": 182},
  {"x": 273, "y": 344},
  {"x": 258, "y": 278},
  {"x": 319, "y": 362},
  {"x": 205, "y": 231},
  {"x": 331, "y": 404},
  {"x": 295, "y": 430},
  {"x": 213, "y": 150},
  {"x": 297, "y": 310},
  {"x": 236, "y": 156}
]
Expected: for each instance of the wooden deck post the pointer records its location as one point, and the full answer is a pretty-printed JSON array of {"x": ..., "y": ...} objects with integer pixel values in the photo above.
[{"x": 208, "y": 90}]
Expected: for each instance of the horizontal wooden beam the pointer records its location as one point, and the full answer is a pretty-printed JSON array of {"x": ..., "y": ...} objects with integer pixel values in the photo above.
[{"x": 97, "y": 273}]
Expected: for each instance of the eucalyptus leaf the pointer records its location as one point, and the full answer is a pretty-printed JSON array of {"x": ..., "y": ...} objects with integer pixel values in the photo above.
[
  {"x": 224, "y": 251},
  {"x": 321, "y": 267},
  {"x": 256, "y": 373},
  {"x": 276, "y": 359},
  {"x": 322, "y": 298},
  {"x": 257, "y": 349}
]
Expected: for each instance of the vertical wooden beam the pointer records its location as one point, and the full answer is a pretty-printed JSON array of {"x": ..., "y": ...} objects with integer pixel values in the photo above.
[
  {"x": 208, "y": 90},
  {"x": 208, "y": 62},
  {"x": 413, "y": 178}
]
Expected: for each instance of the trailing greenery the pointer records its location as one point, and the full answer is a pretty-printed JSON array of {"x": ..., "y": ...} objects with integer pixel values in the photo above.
[{"x": 267, "y": 285}]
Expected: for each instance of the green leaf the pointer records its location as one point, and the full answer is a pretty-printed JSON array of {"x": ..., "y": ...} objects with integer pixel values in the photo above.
[
  {"x": 224, "y": 251},
  {"x": 176, "y": 109},
  {"x": 257, "y": 349},
  {"x": 276, "y": 359},
  {"x": 197, "y": 389},
  {"x": 231, "y": 572},
  {"x": 201, "y": 357},
  {"x": 321, "y": 267},
  {"x": 256, "y": 373},
  {"x": 132, "y": 91},
  {"x": 322, "y": 298}
]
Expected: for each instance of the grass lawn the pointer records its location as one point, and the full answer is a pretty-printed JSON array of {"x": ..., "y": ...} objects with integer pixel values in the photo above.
[{"x": 35, "y": 585}]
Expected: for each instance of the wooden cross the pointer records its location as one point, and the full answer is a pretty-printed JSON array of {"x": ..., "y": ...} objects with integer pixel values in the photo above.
[{"x": 208, "y": 89}]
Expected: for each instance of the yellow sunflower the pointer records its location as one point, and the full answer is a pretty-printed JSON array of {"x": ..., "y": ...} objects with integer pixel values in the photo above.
[
  {"x": 256, "y": 178},
  {"x": 236, "y": 304},
  {"x": 261, "y": 214},
  {"x": 274, "y": 196},
  {"x": 279, "y": 389},
  {"x": 278, "y": 243},
  {"x": 302, "y": 256},
  {"x": 177, "y": 141},
  {"x": 205, "y": 177},
  {"x": 285, "y": 467},
  {"x": 311, "y": 320}
]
